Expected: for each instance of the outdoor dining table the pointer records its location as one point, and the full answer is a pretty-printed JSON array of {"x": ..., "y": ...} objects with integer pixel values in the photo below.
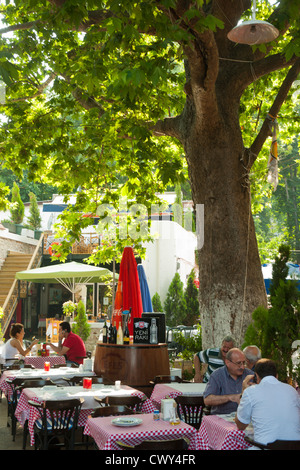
[
  {"x": 161, "y": 391},
  {"x": 106, "y": 434},
  {"x": 219, "y": 432},
  {"x": 26, "y": 412},
  {"x": 39, "y": 361},
  {"x": 55, "y": 374}
]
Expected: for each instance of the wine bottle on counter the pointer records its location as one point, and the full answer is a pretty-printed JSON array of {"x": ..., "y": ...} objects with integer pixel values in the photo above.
[
  {"x": 126, "y": 337},
  {"x": 115, "y": 333},
  {"x": 111, "y": 334},
  {"x": 104, "y": 332}
]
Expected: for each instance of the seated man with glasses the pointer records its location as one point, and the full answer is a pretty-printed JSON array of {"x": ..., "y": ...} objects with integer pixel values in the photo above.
[{"x": 224, "y": 388}]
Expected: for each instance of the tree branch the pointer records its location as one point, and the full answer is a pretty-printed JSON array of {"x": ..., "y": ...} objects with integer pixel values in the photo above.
[
  {"x": 168, "y": 126},
  {"x": 41, "y": 89},
  {"x": 20, "y": 26},
  {"x": 279, "y": 100}
]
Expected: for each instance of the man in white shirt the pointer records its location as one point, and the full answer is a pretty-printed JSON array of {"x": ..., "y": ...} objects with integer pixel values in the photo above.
[{"x": 273, "y": 407}]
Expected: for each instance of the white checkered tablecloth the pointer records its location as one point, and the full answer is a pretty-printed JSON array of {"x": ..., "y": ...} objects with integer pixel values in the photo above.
[
  {"x": 39, "y": 361},
  {"x": 26, "y": 412},
  {"x": 216, "y": 433},
  {"x": 106, "y": 434}
]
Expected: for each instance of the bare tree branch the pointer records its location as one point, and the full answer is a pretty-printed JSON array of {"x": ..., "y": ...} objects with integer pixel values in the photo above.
[
  {"x": 279, "y": 100},
  {"x": 20, "y": 26}
]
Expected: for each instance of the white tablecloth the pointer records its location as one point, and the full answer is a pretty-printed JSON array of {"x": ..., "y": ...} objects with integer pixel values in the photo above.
[
  {"x": 193, "y": 389},
  {"x": 77, "y": 391},
  {"x": 56, "y": 375}
]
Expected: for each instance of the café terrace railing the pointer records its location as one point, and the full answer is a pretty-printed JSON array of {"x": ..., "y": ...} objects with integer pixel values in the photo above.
[{"x": 87, "y": 243}]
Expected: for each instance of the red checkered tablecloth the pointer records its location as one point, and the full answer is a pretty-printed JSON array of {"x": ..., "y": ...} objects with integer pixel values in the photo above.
[
  {"x": 26, "y": 412},
  {"x": 161, "y": 391},
  {"x": 216, "y": 433},
  {"x": 39, "y": 361},
  {"x": 106, "y": 434}
]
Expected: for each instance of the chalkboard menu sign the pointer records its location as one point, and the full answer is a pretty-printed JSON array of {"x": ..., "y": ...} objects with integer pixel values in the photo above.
[{"x": 141, "y": 331}]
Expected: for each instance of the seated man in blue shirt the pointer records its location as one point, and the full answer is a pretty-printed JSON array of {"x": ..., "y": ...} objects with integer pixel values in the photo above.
[{"x": 224, "y": 388}]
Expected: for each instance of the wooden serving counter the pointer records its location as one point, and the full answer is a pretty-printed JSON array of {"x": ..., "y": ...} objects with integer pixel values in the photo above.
[{"x": 134, "y": 364}]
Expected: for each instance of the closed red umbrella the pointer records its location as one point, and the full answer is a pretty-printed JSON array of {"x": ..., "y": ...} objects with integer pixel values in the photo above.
[{"x": 130, "y": 287}]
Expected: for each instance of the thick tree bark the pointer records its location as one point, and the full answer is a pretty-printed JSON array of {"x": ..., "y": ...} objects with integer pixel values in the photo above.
[
  {"x": 217, "y": 73},
  {"x": 231, "y": 281}
]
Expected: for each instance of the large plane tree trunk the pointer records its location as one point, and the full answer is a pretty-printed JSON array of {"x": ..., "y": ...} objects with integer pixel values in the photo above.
[
  {"x": 231, "y": 281},
  {"x": 218, "y": 72}
]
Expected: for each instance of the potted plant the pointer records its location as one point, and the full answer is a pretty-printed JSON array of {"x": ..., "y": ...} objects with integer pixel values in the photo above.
[
  {"x": 17, "y": 208},
  {"x": 69, "y": 308},
  {"x": 34, "y": 218},
  {"x": 81, "y": 327}
]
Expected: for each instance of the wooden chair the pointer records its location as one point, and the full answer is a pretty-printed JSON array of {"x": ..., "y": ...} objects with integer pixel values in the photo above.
[
  {"x": 172, "y": 444},
  {"x": 276, "y": 445},
  {"x": 99, "y": 380},
  {"x": 35, "y": 383},
  {"x": 166, "y": 379},
  {"x": 190, "y": 409},
  {"x": 12, "y": 402},
  {"x": 32, "y": 383},
  {"x": 133, "y": 402},
  {"x": 58, "y": 419},
  {"x": 75, "y": 380},
  {"x": 10, "y": 366},
  {"x": 16, "y": 385},
  {"x": 112, "y": 410}
]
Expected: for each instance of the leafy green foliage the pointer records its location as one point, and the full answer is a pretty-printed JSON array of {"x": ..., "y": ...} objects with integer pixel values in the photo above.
[
  {"x": 190, "y": 344},
  {"x": 191, "y": 294},
  {"x": 181, "y": 305},
  {"x": 81, "y": 105},
  {"x": 156, "y": 303},
  {"x": 17, "y": 207},
  {"x": 34, "y": 218},
  {"x": 81, "y": 326},
  {"x": 275, "y": 329},
  {"x": 174, "y": 305}
]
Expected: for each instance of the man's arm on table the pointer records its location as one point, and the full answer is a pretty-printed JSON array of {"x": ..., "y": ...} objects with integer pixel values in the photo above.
[{"x": 214, "y": 400}]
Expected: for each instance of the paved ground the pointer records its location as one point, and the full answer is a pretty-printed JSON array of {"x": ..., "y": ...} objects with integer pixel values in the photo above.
[{"x": 6, "y": 442}]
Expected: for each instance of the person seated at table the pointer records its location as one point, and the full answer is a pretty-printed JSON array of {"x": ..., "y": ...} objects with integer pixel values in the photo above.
[
  {"x": 223, "y": 391},
  {"x": 205, "y": 362},
  {"x": 252, "y": 354},
  {"x": 69, "y": 345},
  {"x": 273, "y": 407},
  {"x": 15, "y": 345}
]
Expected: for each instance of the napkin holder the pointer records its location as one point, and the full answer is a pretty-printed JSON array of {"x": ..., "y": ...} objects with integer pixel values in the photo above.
[
  {"x": 167, "y": 408},
  {"x": 87, "y": 365}
]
